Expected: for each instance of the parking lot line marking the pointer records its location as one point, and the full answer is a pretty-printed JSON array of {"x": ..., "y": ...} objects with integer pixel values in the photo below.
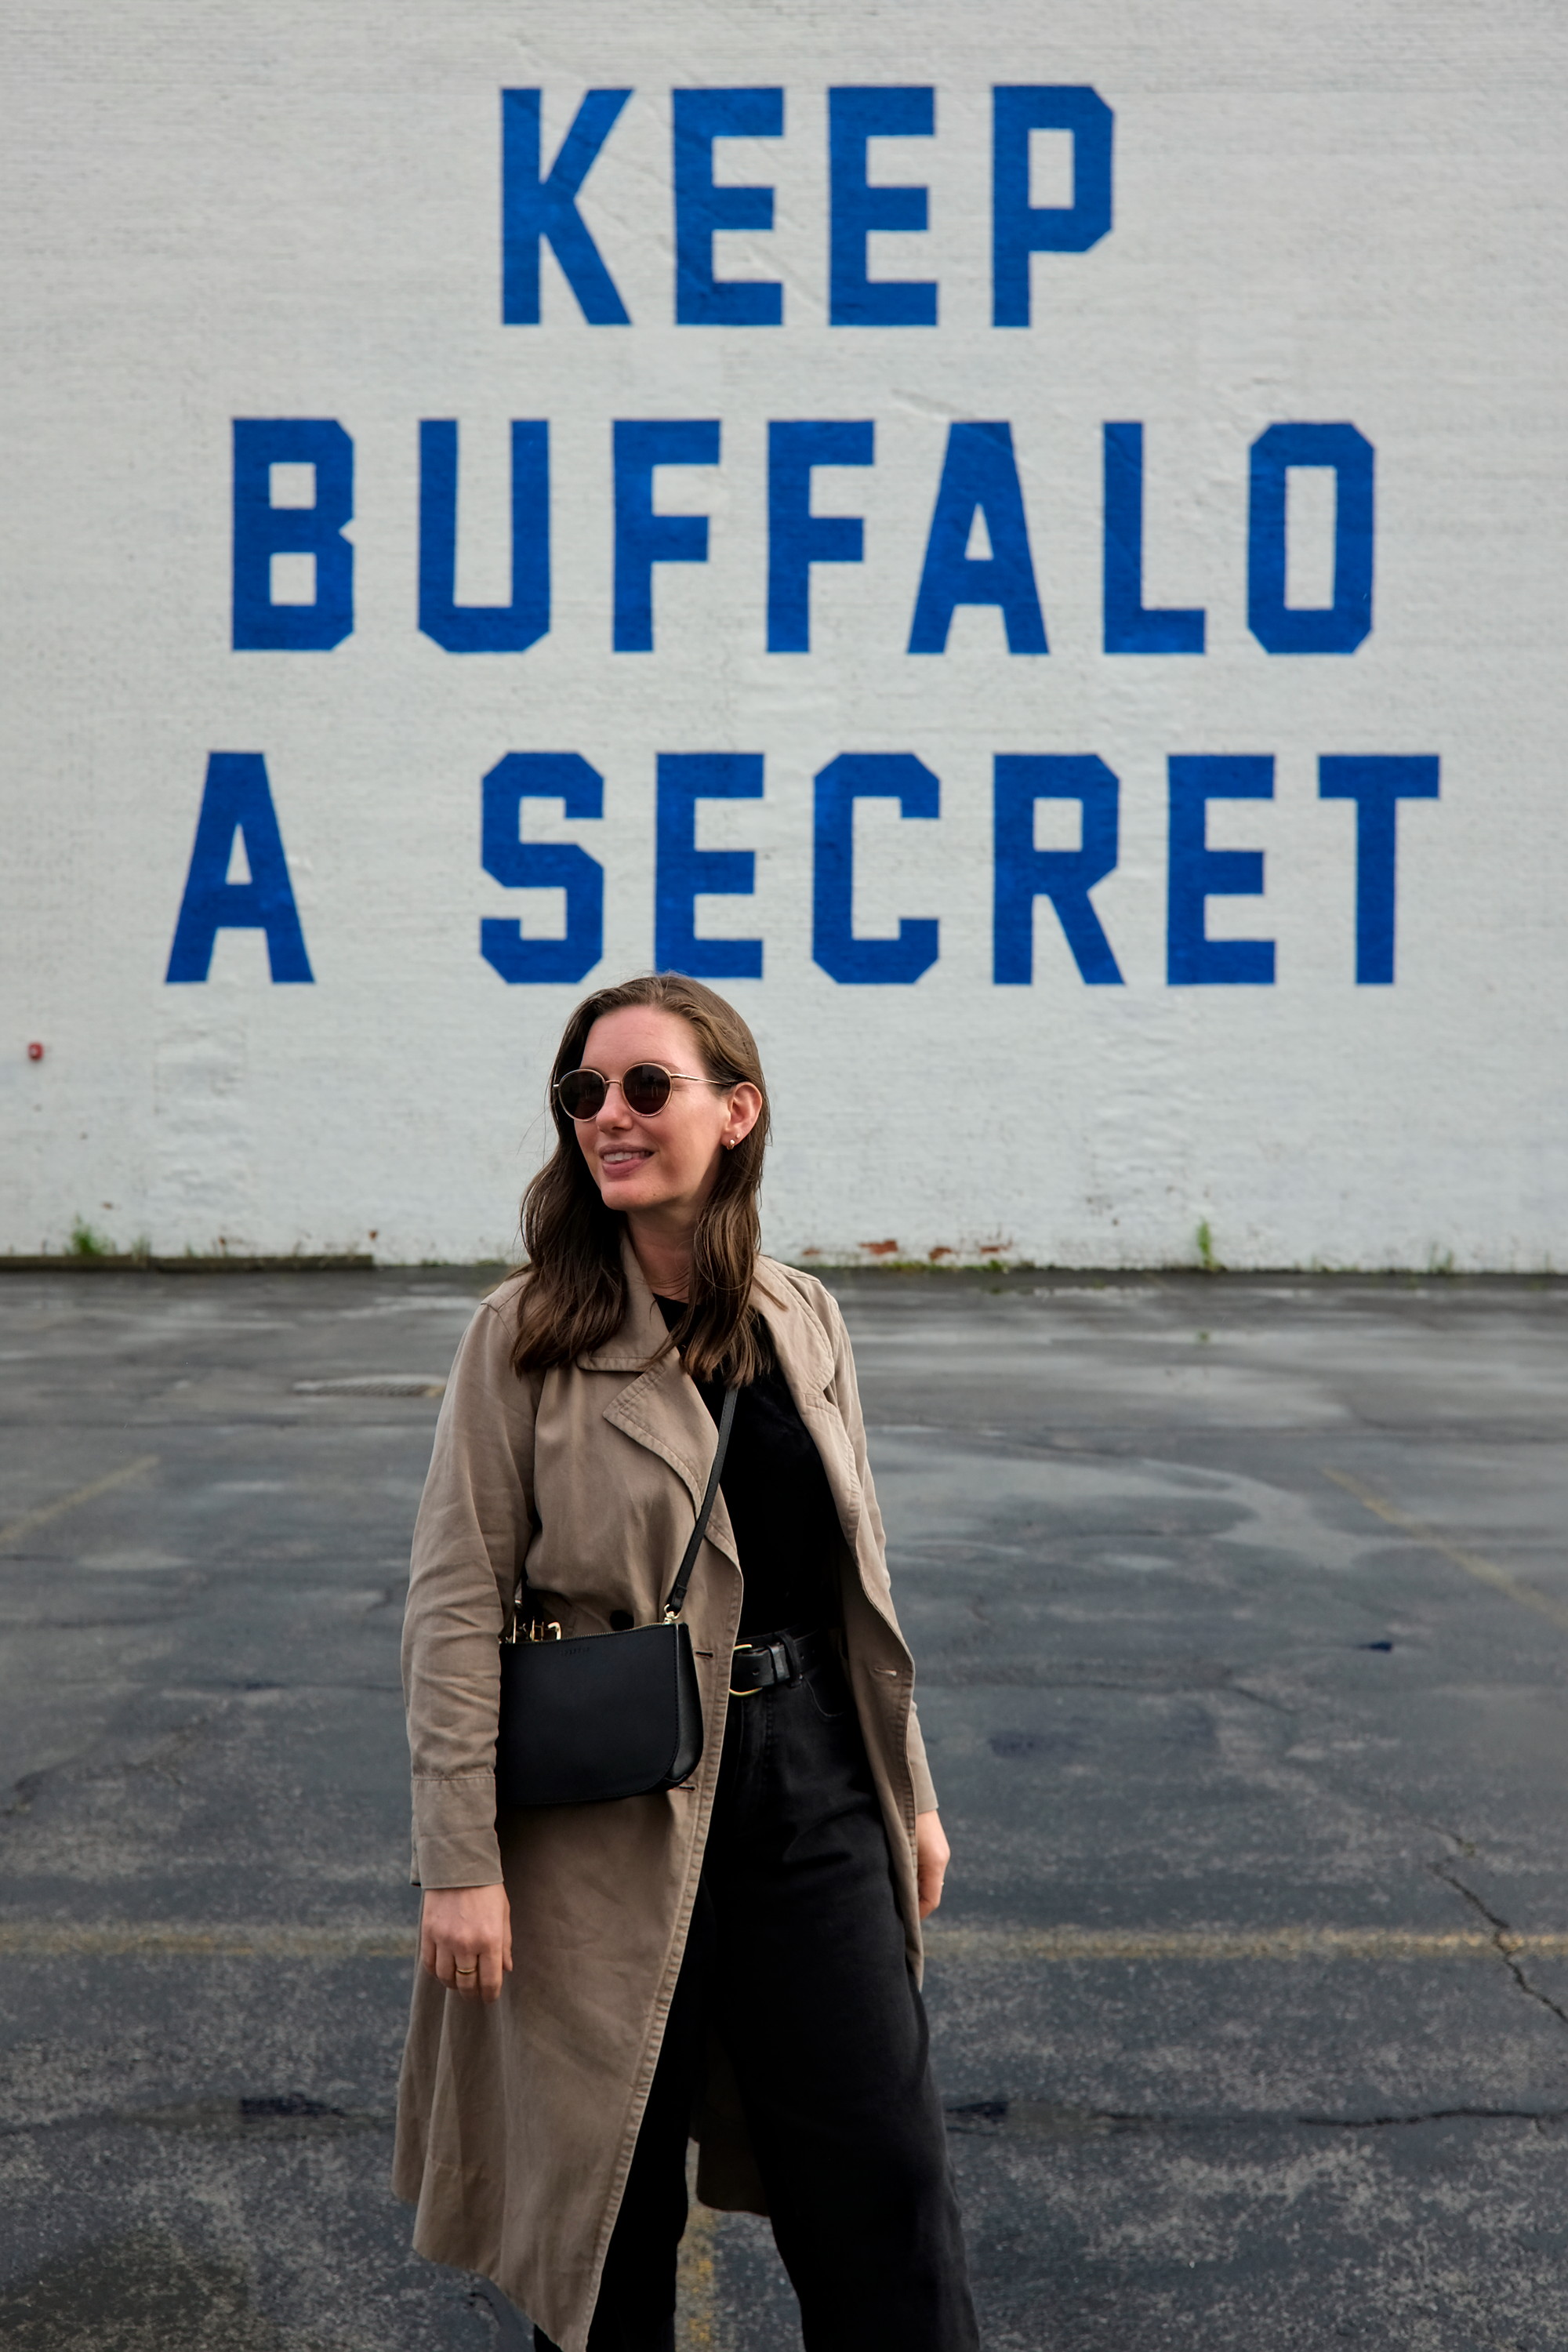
[
  {"x": 40, "y": 1939},
  {"x": 1206, "y": 1944},
  {"x": 79, "y": 1494},
  {"x": 37, "y": 1939},
  {"x": 1485, "y": 1571},
  {"x": 695, "y": 2318}
]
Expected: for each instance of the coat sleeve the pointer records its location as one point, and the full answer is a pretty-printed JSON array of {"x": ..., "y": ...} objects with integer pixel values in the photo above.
[
  {"x": 847, "y": 1391},
  {"x": 475, "y": 1524}
]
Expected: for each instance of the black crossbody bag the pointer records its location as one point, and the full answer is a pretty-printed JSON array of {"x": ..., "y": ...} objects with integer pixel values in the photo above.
[{"x": 609, "y": 1715}]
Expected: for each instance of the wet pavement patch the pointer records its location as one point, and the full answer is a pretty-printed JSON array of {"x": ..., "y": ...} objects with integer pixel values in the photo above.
[{"x": 289, "y": 2116}]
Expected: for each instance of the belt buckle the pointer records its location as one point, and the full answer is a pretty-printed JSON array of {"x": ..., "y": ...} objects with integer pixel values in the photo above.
[
  {"x": 787, "y": 1665},
  {"x": 734, "y": 1653}
]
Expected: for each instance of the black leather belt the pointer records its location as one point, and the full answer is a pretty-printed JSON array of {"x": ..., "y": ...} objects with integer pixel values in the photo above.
[{"x": 780, "y": 1658}]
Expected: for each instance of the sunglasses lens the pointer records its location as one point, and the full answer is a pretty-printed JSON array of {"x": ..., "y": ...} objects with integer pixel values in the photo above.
[
  {"x": 646, "y": 1087},
  {"x": 581, "y": 1093}
]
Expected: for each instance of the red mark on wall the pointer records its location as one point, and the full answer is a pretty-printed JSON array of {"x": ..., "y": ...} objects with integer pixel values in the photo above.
[
  {"x": 879, "y": 1249},
  {"x": 34, "y": 1052}
]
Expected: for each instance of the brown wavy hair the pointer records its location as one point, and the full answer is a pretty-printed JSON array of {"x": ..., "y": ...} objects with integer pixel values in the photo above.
[{"x": 575, "y": 1295}]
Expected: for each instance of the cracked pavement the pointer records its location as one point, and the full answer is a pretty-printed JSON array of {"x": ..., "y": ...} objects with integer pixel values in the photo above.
[{"x": 1241, "y": 1611}]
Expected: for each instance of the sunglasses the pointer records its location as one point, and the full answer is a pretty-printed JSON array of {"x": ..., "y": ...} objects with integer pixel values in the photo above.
[{"x": 645, "y": 1090}]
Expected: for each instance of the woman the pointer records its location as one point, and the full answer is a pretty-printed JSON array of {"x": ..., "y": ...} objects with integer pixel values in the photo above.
[{"x": 735, "y": 1958}]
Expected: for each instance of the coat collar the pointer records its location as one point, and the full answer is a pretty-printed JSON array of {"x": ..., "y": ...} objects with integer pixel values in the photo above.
[
  {"x": 799, "y": 1341},
  {"x": 642, "y": 1333},
  {"x": 661, "y": 1409}
]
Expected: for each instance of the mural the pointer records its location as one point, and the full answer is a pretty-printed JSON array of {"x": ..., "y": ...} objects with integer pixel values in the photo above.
[{"x": 1022, "y": 548}]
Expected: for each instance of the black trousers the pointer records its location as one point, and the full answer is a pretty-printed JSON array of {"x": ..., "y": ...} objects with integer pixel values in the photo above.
[{"x": 796, "y": 1959}]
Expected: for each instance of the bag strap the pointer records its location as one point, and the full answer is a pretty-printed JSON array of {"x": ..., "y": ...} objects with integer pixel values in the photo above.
[{"x": 672, "y": 1607}]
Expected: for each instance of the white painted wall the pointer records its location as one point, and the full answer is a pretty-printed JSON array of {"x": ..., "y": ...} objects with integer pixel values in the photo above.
[{"x": 1354, "y": 212}]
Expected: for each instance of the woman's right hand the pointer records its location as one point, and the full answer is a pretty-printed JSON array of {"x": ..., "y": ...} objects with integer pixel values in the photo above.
[{"x": 465, "y": 1939}]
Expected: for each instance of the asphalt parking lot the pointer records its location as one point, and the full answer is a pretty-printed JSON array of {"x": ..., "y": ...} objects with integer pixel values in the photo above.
[{"x": 1241, "y": 1612}]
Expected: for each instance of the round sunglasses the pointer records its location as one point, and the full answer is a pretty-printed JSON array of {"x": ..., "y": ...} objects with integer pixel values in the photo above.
[{"x": 645, "y": 1090}]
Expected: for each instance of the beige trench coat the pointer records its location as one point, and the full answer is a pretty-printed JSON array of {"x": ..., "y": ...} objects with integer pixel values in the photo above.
[{"x": 517, "y": 2121}]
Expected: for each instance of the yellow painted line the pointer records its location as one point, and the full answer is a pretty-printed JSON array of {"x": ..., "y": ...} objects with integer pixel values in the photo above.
[
  {"x": 73, "y": 1501},
  {"x": 45, "y": 1939},
  {"x": 29, "y": 1940},
  {"x": 1485, "y": 1571},
  {"x": 1203, "y": 1944},
  {"x": 695, "y": 2318}
]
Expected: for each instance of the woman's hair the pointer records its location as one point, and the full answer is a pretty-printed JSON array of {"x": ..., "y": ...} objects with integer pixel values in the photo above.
[{"x": 574, "y": 1298}]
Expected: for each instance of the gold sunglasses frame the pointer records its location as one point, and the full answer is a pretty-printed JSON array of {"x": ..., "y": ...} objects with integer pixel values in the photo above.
[{"x": 686, "y": 1077}]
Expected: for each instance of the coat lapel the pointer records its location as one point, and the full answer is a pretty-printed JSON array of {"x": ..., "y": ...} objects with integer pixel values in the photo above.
[
  {"x": 661, "y": 1409},
  {"x": 805, "y": 1358}
]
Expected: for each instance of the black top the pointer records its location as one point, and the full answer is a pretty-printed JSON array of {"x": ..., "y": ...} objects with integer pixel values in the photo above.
[{"x": 780, "y": 1506}]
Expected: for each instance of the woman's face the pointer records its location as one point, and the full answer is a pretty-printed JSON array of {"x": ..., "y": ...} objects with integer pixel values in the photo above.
[{"x": 667, "y": 1161}]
